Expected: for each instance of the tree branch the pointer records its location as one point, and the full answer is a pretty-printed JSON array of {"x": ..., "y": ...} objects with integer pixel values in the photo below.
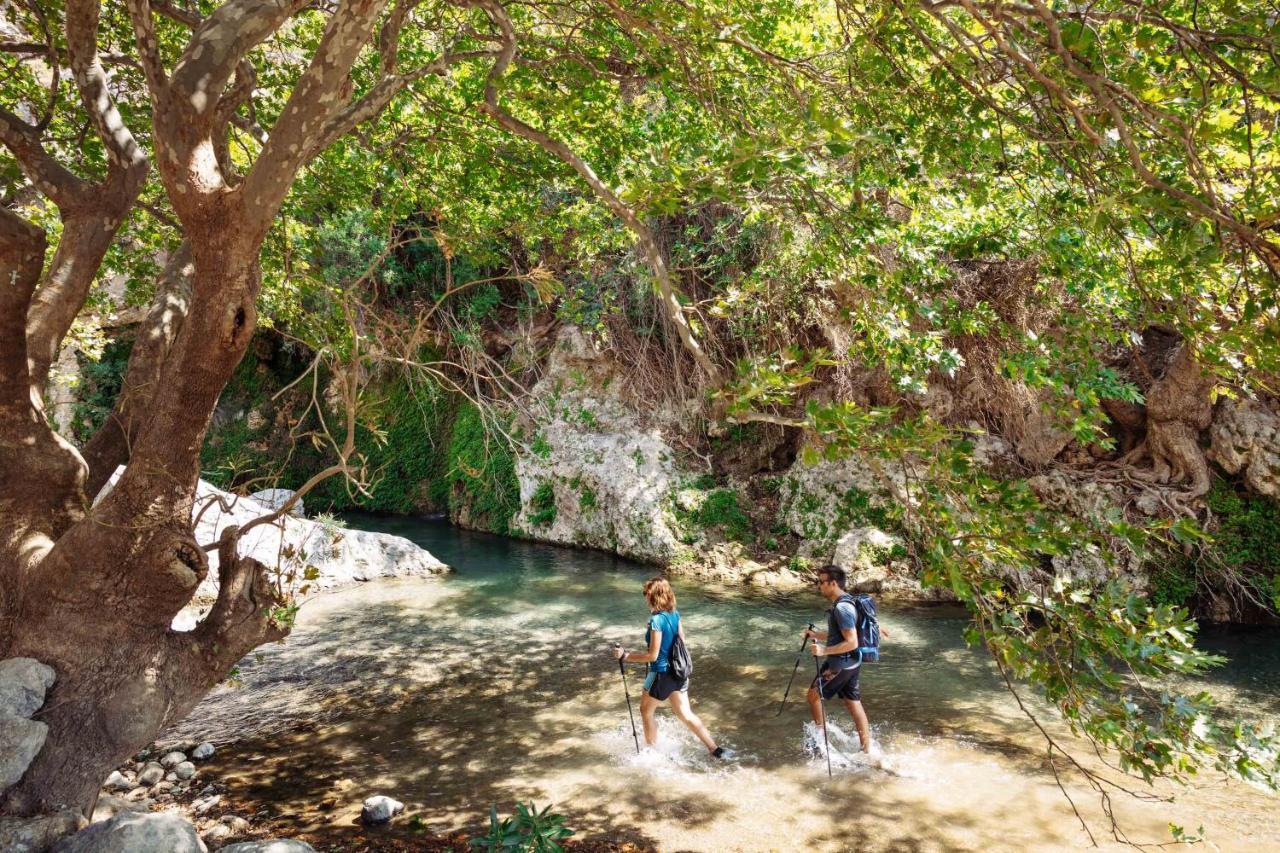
[
  {"x": 108, "y": 448},
  {"x": 653, "y": 254}
]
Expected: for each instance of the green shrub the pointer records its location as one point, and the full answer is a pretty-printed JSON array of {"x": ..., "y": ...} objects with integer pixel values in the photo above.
[
  {"x": 527, "y": 830},
  {"x": 720, "y": 510},
  {"x": 482, "y": 472},
  {"x": 1173, "y": 581},
  {"x": 99, "y": 385},
  {"x": 543, "y": 504}
]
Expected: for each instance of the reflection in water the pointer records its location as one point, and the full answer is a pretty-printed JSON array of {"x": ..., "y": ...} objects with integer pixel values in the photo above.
[{"x": 493, "y": 685}]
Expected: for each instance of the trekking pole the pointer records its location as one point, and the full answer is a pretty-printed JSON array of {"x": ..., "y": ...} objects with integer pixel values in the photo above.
[
  {"x": 822, "y": 703},
  {"x": 622, "y": 669},
  {"x": 794, "y": 670}
]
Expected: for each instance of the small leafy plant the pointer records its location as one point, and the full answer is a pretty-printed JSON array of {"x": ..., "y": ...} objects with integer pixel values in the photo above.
[{"x": 527, "y": 830}]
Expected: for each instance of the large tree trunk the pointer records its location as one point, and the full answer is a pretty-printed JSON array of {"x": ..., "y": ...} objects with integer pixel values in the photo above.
[{"x": 112, "y": 583}]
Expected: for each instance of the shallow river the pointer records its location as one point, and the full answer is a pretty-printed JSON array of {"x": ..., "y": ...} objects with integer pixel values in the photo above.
[{"x": 493, "y": 685}]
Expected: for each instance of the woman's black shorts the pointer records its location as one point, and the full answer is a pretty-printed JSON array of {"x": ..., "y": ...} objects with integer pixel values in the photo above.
[{"x": 664, "y": 684}]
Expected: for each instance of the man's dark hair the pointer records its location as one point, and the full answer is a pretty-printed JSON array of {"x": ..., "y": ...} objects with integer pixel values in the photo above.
[{"x": 836, "y": 574}]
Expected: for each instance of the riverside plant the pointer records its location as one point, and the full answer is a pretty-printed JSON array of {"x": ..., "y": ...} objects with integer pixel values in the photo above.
[{"x": 527, "y": 830}]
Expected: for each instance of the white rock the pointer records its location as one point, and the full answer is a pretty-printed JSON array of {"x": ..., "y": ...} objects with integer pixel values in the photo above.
[
  {"x": 185, "y": 770},
  {"x": 1245, "y": 436},
  {"x": 203, "y": 805},
  {"x": 133, "y": 832},
  {"x": 151, "y": 774},
  {"x": 343, "y": 557},
  {"x": 863, "y": 548},
  {"x": 20, "y": 741},
  {"x": 380, "y": 809},
  {"x": 172, "y": 759},
  {"x": 214, "y": 835},
  {"x": 171, "y": 776},
  {"x": 203, "y": 751},
  {"x": 37, "y": 834},
  {"x": 118, "y": 782},
  {"x": 275, "y": 498},
  {"x": 23, "y": 683},
  {"x": 108, "y": 807},
  {"x": 597, "y": 446}
]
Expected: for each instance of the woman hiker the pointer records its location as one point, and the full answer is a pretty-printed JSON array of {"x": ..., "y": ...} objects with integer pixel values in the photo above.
[{"x": 660, "y": 684}]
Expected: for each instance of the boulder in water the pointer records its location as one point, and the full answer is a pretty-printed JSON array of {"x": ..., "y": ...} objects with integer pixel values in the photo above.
[
  {"x": 380, "y": 809},
  {"x": 133, "y": 832},
  {"x": 203, "y": 751},
  {"x": 185, "y": 770}
]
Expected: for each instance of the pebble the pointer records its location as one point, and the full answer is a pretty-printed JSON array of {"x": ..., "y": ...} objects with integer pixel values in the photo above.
[
  {"x": 118, "y": 781},
  {"x": 203, "y": 751},
  {"x": 237, "y": 823},
  {"x": 151, "y": 774},
  {"x": 380, "y": 809},
  {"x": 185, "y": 770},
  {"x": 171, "y": 777},
  {"x": 136, "y": 795},
  {"x": 203, "y": 805},
  {"x": 215, "y": 833},
  {"x": 173, "y": 759}
]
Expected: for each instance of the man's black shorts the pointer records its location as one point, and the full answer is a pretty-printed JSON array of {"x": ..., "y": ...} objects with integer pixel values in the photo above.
[
  {"x": 664, "y": 684},
  {"x": 844, "y": 684}
]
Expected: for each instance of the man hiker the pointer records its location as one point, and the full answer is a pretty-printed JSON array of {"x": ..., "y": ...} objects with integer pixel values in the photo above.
[{"x": 839, "y": 675}]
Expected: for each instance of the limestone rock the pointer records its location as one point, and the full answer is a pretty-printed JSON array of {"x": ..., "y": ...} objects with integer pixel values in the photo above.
[
  {"x": 203, "y": 751},
  {"x": 270, "y": 845},
  {"x": 343, "y": 557},
  {"x": 23, "y": 683},
  {"x": 216, "y": 835},
  {"x": 133, "y": 832},
  {"x": 20, "y": 741},
  {"x": 117, "y": 781},
  {"x": 185, "y": 770},
  {"x": 275, "y": 498},
  {"x": 611, "y": 472},
  {"x": 1245, "y": 436},
  {"x": 380, "y": 809},
  {"x": 151, "y": 774},
  {"x": 108, "y": 807},
  {"x": 37, "y": 834},
  {"x": 172, "y": 759},
  {"x": 820, "y": 501},
  {"x": 863, "y": 548}
]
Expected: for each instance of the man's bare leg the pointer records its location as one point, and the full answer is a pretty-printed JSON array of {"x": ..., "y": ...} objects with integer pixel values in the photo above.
[{"x": 860, "y": 720}]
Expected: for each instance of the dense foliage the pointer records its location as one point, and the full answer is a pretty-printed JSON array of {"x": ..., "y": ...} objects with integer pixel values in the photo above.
[{"x": 895, "y": 200}]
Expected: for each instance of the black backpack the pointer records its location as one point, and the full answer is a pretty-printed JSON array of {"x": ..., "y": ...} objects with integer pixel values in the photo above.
[
  {"x": 679, "y": 662},
  {"x": 868, "y": 628}
]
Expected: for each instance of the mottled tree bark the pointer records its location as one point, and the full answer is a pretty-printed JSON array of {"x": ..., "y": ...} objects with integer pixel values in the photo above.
[{"x": 93, "y": 591}]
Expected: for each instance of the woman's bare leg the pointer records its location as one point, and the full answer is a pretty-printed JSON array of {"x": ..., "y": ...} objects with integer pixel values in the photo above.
[
  {"x": 649, "y": 716},
  {"x": 680, "y": 704}
]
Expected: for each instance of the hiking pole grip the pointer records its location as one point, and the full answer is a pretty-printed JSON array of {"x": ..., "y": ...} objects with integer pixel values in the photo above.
[
  {"x": 794, "y": 670},
  {"x": 625, "y": 689}
]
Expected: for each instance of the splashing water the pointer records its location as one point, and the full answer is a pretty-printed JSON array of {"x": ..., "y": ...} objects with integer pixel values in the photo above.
[{"x": 494, "y": 685}]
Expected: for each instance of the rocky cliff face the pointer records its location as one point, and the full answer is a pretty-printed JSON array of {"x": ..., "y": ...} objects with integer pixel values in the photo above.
[{"x": 595, "y": 474}]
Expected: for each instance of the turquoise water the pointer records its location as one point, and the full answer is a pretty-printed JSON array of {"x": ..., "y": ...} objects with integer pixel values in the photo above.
[{"x": 493, "y": 685}]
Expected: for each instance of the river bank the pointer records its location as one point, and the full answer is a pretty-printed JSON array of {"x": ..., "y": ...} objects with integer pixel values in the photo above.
[{"x": 491, "y": 686}]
